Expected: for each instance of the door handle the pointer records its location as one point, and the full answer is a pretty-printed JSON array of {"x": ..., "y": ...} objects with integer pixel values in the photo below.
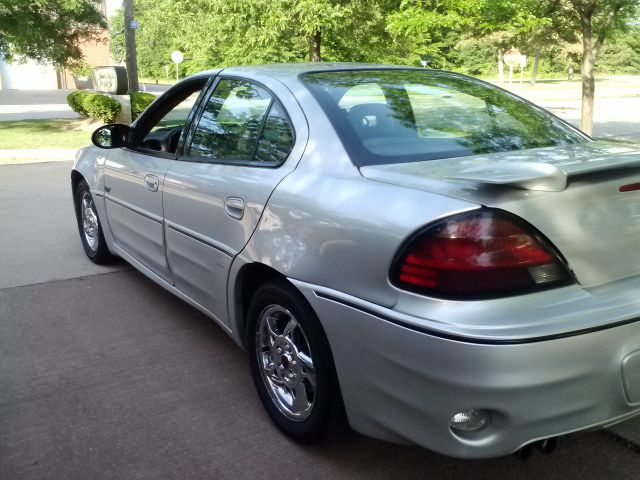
[
  {"x": 151, "y": 182},
  {"x": 234, "y": 207}
]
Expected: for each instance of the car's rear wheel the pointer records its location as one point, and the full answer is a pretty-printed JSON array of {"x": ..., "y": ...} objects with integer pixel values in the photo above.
[
  {"x": 291, "y": 362},
  {"x": 89, "y": 226}
]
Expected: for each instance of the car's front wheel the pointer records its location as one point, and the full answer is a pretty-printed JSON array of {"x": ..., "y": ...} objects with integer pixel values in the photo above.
[
  {"x": 291, "y": 362},
  {"x": 89, "y": 226}
]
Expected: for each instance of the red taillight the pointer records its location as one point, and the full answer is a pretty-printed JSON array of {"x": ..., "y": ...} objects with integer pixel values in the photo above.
[
  {"x": 632, "y": 187},
  {"x": 478, "y": 255}
]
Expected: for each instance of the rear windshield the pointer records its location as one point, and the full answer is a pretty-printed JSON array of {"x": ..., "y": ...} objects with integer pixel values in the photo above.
[{"x": 395, "y": 116}]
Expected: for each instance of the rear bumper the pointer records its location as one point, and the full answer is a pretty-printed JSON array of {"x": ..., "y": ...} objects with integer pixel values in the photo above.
[{"x": 404, "y": 385}]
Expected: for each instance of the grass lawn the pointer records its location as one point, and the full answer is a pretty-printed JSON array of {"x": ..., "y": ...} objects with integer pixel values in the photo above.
[{"x": 23, "y": 134}]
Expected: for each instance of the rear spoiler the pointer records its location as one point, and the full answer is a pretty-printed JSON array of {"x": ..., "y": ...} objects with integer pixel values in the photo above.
[{"x": 543, "y": 176}]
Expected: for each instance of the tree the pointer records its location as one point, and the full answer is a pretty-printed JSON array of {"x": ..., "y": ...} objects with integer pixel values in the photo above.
[
  {"x": 218, "y": 33},
  {"x": 429, "y": 29},
  {"x": 597, "y": 19},
  {"x": 47, "y": 30},
  {"x": 533, "y": 26},
  {"x": 621, "y": 53},
  {"x": 313, "y": 17},
  {"x": 540, "y": 27},
  {"x": 452, "y": 34},
  {"x": 543, "y": 23}
]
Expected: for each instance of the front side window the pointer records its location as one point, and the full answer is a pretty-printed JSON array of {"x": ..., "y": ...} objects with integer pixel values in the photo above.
[
  {"x": 162, "y": 128},
  {"x": 230, "y": 123},
  {"x": 395, "y": 115},
  {"x": 177, "y": 117}
]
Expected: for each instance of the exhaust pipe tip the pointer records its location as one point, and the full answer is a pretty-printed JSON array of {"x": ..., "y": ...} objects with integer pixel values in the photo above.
[{"x": 546, "y": 446}]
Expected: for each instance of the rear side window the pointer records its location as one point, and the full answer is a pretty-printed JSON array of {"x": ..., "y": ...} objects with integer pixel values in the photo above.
[
  {"x": 397, "y": 116},
  {"x": 276, "y": 139},
  {"x": 243, "y": 124}
]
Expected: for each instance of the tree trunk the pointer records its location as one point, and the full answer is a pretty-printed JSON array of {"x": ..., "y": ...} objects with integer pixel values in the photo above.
[
  {"x": 500, "y": 66},
  {"x": 314, "y": 47},
  {"x": 587, "y": 74},
  {"x": 534, "y": 72}
]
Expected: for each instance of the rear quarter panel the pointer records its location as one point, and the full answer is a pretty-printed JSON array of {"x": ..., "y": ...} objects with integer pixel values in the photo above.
[{"x": 341, "y": 230}]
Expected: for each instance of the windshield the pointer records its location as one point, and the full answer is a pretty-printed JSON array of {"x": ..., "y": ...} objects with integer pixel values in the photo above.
[{"x": 395, "y": 116}]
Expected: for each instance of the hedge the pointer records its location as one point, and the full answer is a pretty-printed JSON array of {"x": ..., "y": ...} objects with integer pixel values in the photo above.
[
  {"x": 75, "y": 99},
  {"x": 102, "y": 107},
  {"x": 139, "y": 102},
  {"x": 94, "y": 105}
]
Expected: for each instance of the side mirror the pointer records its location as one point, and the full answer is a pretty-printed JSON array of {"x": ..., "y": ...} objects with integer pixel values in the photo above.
[{"x": 112, "y": 135}]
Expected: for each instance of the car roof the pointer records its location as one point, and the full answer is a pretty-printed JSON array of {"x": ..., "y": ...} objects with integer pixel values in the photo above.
[{"x": 284, "y": 71}]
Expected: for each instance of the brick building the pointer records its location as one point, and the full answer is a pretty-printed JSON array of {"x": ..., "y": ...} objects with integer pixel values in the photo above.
[{"x": 95, "y": 53}]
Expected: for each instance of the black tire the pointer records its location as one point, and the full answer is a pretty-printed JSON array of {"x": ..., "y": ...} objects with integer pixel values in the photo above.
[
  {"x": 327, "y": 407},
  {"x": 99, "y": 252}
]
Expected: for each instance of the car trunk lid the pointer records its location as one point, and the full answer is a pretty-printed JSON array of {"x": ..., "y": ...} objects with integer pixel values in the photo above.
[{"x": 572, "y": 194}]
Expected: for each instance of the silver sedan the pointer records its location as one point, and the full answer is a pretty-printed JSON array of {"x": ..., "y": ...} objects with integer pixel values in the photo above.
[{"x": 418, "y": 252}]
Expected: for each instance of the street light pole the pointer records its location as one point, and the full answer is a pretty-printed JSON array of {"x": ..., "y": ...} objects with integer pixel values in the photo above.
[{"x": 130, "y": 46}]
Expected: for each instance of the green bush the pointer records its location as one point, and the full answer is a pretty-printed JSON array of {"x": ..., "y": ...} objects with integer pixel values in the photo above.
[
  {"x": 139, "y": 102},
  {"x": 75, "y": 101},
  {"x": 101, "y": 107},
  {"x": 94, "y": 105},
  {"x": 475, "y": 58}
]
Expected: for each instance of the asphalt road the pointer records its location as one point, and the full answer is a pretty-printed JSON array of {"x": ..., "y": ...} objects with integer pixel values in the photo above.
[{"x": 104, "y": 375}]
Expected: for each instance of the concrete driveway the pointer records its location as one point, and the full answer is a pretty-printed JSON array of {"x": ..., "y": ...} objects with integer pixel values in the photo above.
[{"x": 104, "y": 375}]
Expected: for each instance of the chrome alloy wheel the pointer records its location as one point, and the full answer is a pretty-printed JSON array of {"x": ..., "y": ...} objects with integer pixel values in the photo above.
[
  {"x": 89, "y": 221},
  {"x": 285, "y": 362}
]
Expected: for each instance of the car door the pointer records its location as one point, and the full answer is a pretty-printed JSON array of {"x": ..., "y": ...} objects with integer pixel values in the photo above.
[
  {"x": 242, "y": 144},
  {"x": 134, "y": 177}
]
